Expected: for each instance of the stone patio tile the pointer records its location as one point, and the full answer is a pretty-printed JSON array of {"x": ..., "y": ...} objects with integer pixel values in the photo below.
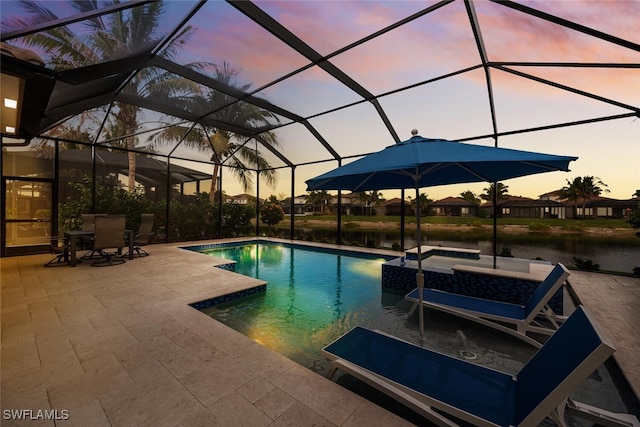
[
  {"x": 19, "y": 355},
  {"x": 80, "y": 389},
  {"x": 230, "y": 410},
  {"x": 371, "y": 415},
  {"x": 211, "y": 382},
  {"x": 24, "y": 393},
  {"x": 255, "y": 389},
  {"x": 275, "y": 403},
  {"x": 112, "y": 339},
  {"x": 78, "y": 415},
  {"x": 301, "y": 415},
  {"x": 264, "y": 362},
  {"x": 189, "y": 360},
  {"x": 163, "y": 401},
  {"x": 319, "y": 394}
]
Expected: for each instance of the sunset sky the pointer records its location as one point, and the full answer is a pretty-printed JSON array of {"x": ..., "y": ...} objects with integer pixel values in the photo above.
[{"x": 453, "y": 108}]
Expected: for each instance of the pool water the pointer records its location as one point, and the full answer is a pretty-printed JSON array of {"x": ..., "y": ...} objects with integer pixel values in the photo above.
[{"x": 312, "y": 298}]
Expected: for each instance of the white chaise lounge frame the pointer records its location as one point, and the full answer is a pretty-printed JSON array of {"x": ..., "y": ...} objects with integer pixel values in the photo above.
[{"x": 519, "y": 320}]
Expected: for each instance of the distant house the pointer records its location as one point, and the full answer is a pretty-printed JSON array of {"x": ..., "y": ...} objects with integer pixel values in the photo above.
[
  {"x": 596, "y": 207},
  {"x": 242, "y": 199},
  {"x": 453, "y": 206},
  {"x": 602, "y": 207},
  {"x": 394, "y": 207},
  {"x": 555, "y": 195},
  {"x": 524, "y": 207},
  {"x": 352, "y": 204},
  {"x": 300, "y": 205}
]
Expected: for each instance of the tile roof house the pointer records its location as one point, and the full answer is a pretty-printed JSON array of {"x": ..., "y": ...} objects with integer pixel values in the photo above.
[
  {"x": 394, "y": 207},
  {"x": 525, "y": 207},
  {"x": 453, "y": 206},
  {"x": 601, "y": 207}
]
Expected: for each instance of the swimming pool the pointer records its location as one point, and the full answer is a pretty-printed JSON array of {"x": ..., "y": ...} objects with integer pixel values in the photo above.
[{"x": 311, "y": 297}]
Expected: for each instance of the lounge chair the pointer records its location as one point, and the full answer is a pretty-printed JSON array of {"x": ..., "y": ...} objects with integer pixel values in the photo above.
[
  {"x": 496, "y": 313},
  {"x": 446, "y": 390}
]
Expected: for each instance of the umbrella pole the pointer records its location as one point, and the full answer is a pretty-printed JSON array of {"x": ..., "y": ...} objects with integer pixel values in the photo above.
[{"x": 419, "y": 274}]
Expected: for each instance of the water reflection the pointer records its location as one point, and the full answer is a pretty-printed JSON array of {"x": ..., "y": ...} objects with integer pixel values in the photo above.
[{"x": 619, "y": 254}]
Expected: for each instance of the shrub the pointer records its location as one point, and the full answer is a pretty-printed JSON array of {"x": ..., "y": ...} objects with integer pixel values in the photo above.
[
  {"x": 271, "y": 214},
  {"x": 586, "y": 265},
  {"x": 573, "y": 226},
  {"x": 538, "y": 226},
  {"x": 110, "y": 199},
  {"x": 506, "y": 252},
  {"x": 636, "y": 271},
  {"x": 236, "y": 219}
]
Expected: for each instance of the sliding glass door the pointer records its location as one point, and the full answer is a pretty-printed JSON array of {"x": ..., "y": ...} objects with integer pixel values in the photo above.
[{"x": 28, "y": 196}]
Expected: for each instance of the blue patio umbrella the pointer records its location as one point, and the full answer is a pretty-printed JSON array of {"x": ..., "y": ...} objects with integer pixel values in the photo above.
[{"x": 422, "y": 162}]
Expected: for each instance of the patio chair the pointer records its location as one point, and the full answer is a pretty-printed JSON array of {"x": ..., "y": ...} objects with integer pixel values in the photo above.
[
  {"x": 446, "y": 390},
  {"x": 88, "y": 224},
  {"x": 519, "y": 319},
  {"x": 144, "y": 235},
  {"x": 109, "y": 234},
  {"x": 59, "y": 246}
]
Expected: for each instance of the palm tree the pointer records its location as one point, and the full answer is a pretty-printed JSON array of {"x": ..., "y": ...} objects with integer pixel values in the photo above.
[
  {"x": 319, "y": 198},
  {"x": 424, "y": 202},
  {"x": 501, "y": 193},
  {"x": 226, "y": 147},
  {"x": 374, "y": 198},
  {"x": 470, "y": 196},
  {"x": 583, "y": 188},
  {"x": 572, "y": 191},
  {"x": 363, "y": 198},
  {"x": 108, "y": 37}
]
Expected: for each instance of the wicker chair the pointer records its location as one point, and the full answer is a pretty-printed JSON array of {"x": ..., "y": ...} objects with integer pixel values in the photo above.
[
  {"x": 144, "y": 235},
  {"x": 109, "y": 234}
]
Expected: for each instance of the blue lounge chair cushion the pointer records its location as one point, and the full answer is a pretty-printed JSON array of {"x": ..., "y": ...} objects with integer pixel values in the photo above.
[
  {"x": 576, "y": 340},
  {"x": 481, "y": 305},
  {"x": 472, "y": 392},
  {"x": 484, "y": 392}
]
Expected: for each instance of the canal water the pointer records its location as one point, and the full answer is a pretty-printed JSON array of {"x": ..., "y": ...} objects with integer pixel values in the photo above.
[{"x": 617, "y": 255}]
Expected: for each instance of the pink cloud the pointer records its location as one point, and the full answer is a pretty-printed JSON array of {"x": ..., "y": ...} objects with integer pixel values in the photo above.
[{"x": 437, "y": 43}]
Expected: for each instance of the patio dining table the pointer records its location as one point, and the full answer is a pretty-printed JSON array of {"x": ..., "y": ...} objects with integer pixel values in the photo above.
[{"x": 74, "y": 236}]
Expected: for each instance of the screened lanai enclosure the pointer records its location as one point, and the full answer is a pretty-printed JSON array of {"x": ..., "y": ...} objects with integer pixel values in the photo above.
[{"x": 173, "y": 106}]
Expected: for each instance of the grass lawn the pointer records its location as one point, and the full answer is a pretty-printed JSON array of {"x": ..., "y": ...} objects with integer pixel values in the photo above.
[{"x": 550, "y": 222}]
